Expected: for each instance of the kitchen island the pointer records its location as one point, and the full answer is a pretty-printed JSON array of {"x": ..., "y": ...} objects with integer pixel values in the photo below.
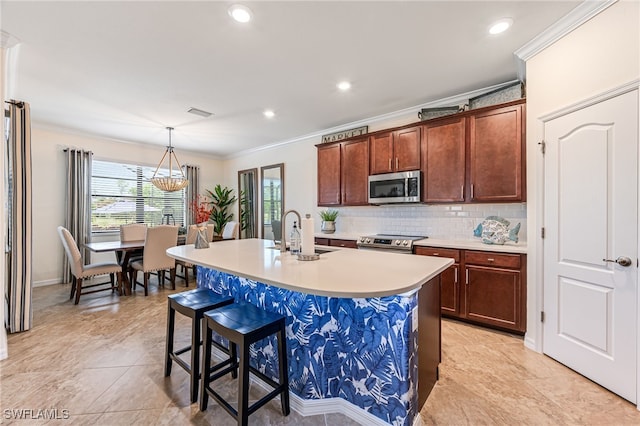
[{"x": 362, "y": 326}]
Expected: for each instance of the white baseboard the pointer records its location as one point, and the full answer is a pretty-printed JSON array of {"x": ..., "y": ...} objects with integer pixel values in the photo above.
[{"x": 44, "y": 283}]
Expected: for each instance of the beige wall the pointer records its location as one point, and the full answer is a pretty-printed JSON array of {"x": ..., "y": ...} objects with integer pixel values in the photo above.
[
  {"x": 601, "y": 54},
  {"x": 49, "y": 186}
]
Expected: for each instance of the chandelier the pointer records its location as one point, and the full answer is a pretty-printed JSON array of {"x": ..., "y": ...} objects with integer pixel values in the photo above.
[{"x": 169, "y": 183}]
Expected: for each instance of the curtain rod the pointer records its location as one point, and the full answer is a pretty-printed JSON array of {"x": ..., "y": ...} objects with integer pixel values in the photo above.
[{"x": 19, "y": 104}]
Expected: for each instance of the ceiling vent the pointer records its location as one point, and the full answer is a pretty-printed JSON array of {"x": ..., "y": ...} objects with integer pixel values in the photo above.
[{"x": 199, "y": 112}]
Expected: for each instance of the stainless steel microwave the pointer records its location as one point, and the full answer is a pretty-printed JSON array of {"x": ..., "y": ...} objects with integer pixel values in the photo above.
[{"x": 390, "y": 188}]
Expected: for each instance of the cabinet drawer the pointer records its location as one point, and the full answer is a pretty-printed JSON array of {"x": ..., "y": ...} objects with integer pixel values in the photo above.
[
  {"x": 487, "y": 258},
  {"x": 342, "y": 243},
  {"x": 439, "y": 252},
  {"x": 322, "y": 241}
]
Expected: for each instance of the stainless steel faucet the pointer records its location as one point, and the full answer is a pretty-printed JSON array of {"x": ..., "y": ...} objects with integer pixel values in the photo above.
[{"x": 283, "y": 243}]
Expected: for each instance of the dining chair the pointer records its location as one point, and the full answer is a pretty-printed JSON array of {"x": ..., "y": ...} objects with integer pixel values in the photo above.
[
  {"x": 230, "y": 231},
  {"x": 132, "y": 232},
  {"x": 211, "y": 231},
  {"x": 154, "y": 259},
  {"x": 192, "y": 233},
  {"x": 81, "y": 272}
]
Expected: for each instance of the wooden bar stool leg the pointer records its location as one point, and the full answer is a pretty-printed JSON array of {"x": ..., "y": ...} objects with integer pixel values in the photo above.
[
  {"x": 243, "y": 386},
  {"x": 195, "y": 358},
  {"x": 171, "y": 319},
  {"x": 284, "y": 372},
  {"x": 206, "y": 361}
]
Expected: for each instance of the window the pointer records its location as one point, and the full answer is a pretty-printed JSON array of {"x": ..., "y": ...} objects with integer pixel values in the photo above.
[{"x": 122, "y": 193}]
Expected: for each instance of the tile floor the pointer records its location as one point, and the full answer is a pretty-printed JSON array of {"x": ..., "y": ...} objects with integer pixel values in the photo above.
[{"x": 102, "y": 360}]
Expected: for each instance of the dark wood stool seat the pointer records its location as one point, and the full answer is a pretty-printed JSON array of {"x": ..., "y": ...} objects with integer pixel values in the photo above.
[
  {"x": 193, "y": 304},
  {"x": 243, "y": 324}
]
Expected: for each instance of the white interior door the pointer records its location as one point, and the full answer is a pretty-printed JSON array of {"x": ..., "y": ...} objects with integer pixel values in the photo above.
[{"x": 591, "y": 219}]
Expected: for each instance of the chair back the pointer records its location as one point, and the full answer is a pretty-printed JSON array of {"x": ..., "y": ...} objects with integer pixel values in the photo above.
[
  {"x": 276, "y": 228},
  {"x": 230, "y": 231},
  {"x": 133, "y": 232},
  {"x": 192, "y": 233},
  {"x": 211, "y": 231},
  {"x": 71, "y": 248},
  {"x": 159, "y": 239}
]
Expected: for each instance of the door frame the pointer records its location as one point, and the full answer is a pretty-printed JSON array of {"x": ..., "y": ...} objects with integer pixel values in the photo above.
[{"x": 537, "y": 342}]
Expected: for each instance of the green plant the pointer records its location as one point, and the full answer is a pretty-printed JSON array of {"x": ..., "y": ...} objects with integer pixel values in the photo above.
[
  {"x": 221, "y": 200},
  {"x": 329, "y": 215}
]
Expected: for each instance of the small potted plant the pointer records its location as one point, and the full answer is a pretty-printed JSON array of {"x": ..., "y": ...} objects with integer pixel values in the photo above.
[{"x": 328, "y": 221}]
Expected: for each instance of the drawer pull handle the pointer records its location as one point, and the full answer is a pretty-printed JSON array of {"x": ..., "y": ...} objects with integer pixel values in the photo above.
[
  {"x": 455, "y": 279},
  {"x": 491, "y": 259},
  {"x": 436, "y": 254}
]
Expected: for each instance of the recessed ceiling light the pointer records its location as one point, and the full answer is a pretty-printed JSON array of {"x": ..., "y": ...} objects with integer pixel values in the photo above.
[
  {"x": 344, "y": 85},
  {"x": 269, "y": 113},
  {"x": 501, "y": 26},
  {"x": 240, "y": 13}
]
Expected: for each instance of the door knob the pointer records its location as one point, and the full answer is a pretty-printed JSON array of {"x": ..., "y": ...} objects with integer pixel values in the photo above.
[{"x": 622, "y": 261}]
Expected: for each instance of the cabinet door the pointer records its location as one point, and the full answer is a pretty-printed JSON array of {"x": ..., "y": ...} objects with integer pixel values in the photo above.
[
  {"x": 449, "y": 291},
  {"x": 496, "y": 167},
  {"x": 381, "y": 153},
  {"x": 406, "y": 149},
  {"x": 329, "y": 175},
  {"x": 355, "y": 172},
  {"x": 493, "y": 296},
  {"x": 444, "y": 161}
]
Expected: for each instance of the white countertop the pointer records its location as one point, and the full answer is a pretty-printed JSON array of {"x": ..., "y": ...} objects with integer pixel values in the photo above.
[
  {"x": 475, "y": 244},
  {"x": 349, "y": 273},
  {"x": 470, "y": 244}
]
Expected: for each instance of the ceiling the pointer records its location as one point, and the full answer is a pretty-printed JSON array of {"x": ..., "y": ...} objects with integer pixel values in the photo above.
[{"x": 126, "y": 70}]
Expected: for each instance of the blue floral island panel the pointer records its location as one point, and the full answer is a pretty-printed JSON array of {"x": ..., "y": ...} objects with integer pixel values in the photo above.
[{"x": 361, "y": 350}]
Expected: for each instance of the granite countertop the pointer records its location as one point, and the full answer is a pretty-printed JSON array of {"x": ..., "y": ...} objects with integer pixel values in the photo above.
[{"x": 343, "y": 273}]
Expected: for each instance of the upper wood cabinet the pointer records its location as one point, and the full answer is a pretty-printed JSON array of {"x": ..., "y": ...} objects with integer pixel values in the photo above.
[
  {"x": 355, "y": 172},
  {"x": 343, "y": 171},
  {"x": 396, "y": 151},
  {"x": 496, "y": 155},
  {"x": 443, "y": 161},
  {"x": 329, "y": 193}
]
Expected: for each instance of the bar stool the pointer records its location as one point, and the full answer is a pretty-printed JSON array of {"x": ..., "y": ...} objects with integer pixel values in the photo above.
[
  {"x": 243, "y": 324},
  {"x": 193, "y": 304}
]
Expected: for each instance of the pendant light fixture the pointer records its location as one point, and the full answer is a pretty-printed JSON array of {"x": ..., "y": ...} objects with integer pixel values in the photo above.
[{"x": 169, "y": 183}]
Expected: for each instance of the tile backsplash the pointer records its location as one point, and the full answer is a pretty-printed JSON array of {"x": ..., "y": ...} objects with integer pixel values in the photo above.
[{"x": 452, "y": 221}]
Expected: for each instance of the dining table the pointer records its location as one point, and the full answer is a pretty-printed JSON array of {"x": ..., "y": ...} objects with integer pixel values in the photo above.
[{"x": 123, "y": 250}]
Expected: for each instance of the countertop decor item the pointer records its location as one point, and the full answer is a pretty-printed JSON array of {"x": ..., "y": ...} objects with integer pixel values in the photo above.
[
  {"x": 169, "y": 183},
  {"x": 495, "y": 230},
  {"x": 328, "y": 217}
]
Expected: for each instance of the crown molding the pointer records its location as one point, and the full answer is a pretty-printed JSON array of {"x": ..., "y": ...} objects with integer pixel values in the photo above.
[{"x": 578, "y": 16}]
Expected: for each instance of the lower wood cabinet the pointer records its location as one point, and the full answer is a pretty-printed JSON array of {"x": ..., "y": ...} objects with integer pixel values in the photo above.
[
  {"x": 335, "y": 242},
  {"x": 483, "y": 287}
]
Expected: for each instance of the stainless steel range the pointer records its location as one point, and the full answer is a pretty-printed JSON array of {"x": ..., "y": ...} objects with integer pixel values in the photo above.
[{"x": 395, "y": 243}]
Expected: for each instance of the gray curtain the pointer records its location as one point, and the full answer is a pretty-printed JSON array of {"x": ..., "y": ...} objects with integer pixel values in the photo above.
[
  {"x": 18, "y": 252},
  {"x": 78, "y": 203},
  {"x": 192, "y": 174}
]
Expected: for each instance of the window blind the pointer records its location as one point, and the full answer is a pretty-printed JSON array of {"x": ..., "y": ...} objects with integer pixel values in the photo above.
[{"x": 121, "y": 193}]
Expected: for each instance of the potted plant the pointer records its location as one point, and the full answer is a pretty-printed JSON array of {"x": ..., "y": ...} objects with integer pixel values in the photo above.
[
  {"x": 221, "y": 200},
  {"x": 328, "y": 221}
]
